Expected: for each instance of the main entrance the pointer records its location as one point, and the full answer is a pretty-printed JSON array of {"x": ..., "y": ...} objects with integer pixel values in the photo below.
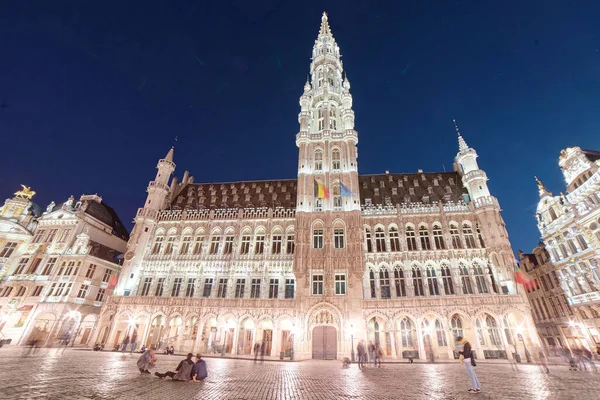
[{"x": 324, "y": 343}]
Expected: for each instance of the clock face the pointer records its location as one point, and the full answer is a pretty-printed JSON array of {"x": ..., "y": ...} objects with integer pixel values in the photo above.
[{"x": 129, "y": 255}]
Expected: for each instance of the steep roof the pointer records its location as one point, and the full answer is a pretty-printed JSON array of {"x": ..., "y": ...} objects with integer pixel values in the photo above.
[
  {"x": 591, "y": 155},
  {"x": 106, "y": 214}
]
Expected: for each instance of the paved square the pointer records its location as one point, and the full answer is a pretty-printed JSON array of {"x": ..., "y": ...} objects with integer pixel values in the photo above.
[{"x": 77, "y": 374}]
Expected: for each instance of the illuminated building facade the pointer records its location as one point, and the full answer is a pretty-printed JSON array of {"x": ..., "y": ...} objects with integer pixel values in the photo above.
[
  {"x": 408, "y": 260},
  {"x": 570, "y": 228},
  {"x": 57, "y": 267}
]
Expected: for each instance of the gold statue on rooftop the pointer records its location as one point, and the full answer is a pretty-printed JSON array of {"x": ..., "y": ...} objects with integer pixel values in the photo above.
[{"x": 26, "y": 193}]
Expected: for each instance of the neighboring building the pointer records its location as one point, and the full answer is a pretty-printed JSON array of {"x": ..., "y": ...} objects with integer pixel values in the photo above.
[
  {"x": 552, "y": 312},
  {"x": 570, "y": 228},
  {"x": 399, "y": 259},
  {"x": 59, "y": 267}
]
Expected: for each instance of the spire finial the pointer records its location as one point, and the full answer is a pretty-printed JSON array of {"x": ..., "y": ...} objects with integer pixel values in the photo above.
[
  {"x": 325, "y": 30},
  {"x": 462, "y": 145},
  {"x": 456, "y": 127},
  {"x": 541, "y": 187}
]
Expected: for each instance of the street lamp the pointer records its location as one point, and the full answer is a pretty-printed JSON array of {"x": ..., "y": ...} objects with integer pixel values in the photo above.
[
  {"x": 352, "y": 342},
  {"x": 520, "y": 337}
]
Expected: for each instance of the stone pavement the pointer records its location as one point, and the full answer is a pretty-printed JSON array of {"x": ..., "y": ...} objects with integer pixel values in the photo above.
[{"x": 76, "y": 374}]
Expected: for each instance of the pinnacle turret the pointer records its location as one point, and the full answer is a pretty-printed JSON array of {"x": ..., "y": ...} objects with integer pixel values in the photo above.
[
  {"x": 462, "y": 145},
  {"x": 542, "y": 189},
  {"x": 325, "y": 29},
  {"x": 169, "y": 156}
]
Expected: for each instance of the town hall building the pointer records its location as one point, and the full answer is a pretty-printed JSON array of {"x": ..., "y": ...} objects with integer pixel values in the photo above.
[{"x": 309, "y": 266}]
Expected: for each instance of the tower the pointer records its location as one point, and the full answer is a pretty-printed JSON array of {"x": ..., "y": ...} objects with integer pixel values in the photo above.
[
  {"x": 328, "y": 204},
  {"x": 145, "y": 221},
  {"x": 474, "y": 179}
]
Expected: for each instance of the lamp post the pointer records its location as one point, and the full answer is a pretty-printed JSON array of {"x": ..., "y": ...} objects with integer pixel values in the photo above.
[
  {"x": 520, "y": 337},
  {"x": 351, "y": 342}
]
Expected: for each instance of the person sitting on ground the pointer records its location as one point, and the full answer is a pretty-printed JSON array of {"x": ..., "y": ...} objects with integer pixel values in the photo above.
[
  {"x": 199, "y": 373},
  {"x": 183, "y": 372},
  {"x": 147, "y": 360}
]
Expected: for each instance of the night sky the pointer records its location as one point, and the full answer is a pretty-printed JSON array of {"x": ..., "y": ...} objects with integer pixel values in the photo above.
[{"x": 92, "y": 96}]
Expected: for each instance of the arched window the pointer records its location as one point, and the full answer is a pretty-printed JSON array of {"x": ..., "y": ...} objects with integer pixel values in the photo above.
[
  {"x": 438, "y": 237},
  {"x": 318, "y": 159},
  {"x": 169, "y": 246},
  {"x": 447, "y": 279},
  {"x": 424, "y": 236},
  {"x": 380, "y": 240},
  {"x": 335, "y": 160},
  {"x": 456, "y": 326},
  {"x": 480, "y": 332},
  {"x": 406, "y": 333},
  {"x": 432, "y": 282},
  {"x": 332, "y": 115},
  {"x": 186, "y": 244},
  {"x": 368, "y": 241},
  {"x": 479, "y": 278},
  {"x": 480, "y": 236},
  {"x": 493, "y": 331},
  {"x": 456, "y": 243},
  {"x": 245, "y": 243},
  {"x": 507, "y": 332},
  {"x": 384, "y": 283},
  {"x": 441, "y": 335},
  {"x": 259, "y": 245},
  {"x": 494, "y": 286},
  {"x": 372, "y": 283},
  {"x": 338, "y": 236},
  {"x": 411, "y": 241},
  {"x": 465, "y": 279},
  {"x": 158, "y": 243},
  {"x": 394, "y": 239},
  {"x": 552, "y": 214},
  {"x": 417, "y": 281},
  {"x": 337, "y": 196},
  {"x": 198, "y": 242},
  {"x": 468, "y": 235},
  {"x": 318, "y": 234},
  {"x": 321, "y": 119},
  {"x": 399, "y": 282}
]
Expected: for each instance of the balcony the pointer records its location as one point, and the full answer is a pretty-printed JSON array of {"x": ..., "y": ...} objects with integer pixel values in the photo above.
[{"x": 585, "y": 299}]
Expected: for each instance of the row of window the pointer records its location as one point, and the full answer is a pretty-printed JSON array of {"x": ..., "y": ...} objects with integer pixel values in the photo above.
[
  {"x": 222, "y": 285},
  {"x": 381, "y": 282},
  {"x": 335, "y": 155},
  {"x": 542, "y": 312},
  {"x": 67, "y": 268},
  {"x": 57, "y": 289},
  {"x": 10, "y": 247},
  {"x": 566, "y": 245},
  {"x": 248, "y": 244}
]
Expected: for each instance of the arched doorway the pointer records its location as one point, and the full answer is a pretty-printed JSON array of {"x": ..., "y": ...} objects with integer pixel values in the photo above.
[
  {"x": 85, "y": 330},
  {"x": 324, "y": 342},
  {"x": 42, "y": 327},
  {"x": 156, "y": 331}
]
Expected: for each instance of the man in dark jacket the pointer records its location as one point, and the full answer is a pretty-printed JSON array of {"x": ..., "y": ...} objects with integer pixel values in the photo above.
[
  {"x": 199, "y": 373},
  {"x": 183, "y": 372},
  {"x": 361, "y": 352},
  {"x": 465, "y": 359}
]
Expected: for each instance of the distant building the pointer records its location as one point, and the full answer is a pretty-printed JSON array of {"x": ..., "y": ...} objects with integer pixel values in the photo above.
[
  {"x": 57, "y": 267},
  {"x": 552, "y": 312},
  {"x": 570, "y": 228},
  {"x": 314, "y": 263}
]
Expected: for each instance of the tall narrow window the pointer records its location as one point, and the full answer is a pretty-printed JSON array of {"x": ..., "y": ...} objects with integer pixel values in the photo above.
[
  {"x": 169, "y": 246},
  {"x": 368, "y": 240},
  {"x": 456, "y": 326},
  {"x": 8, "y": 249},
  {"x": 38, "y": 236},
  {"x": 64, "y": 236},
  {"x": 380, "y": 240},
  {"x": 494, "y": 286},
  {"x": 240, "y": 286},
  {"x": 399, "y": 282},
  {"x": 372, "y": 283},
  {"x": 318, "y": 238},
  {"x": 107, "y": 274},
  {"x": 424, "y": 236},
  {"x": 198, "y": 244},
  {"x": 465, "y": 279},
  {"x": 50, "y": 266},
  {"x": 34, "y": 266},
  {"x": 273, "y": 288},
  {"x": 52, "y": 235},
  {"x": 276, "y": 245},
  {"x": 21, "y": 266},
  {"x": 176, "y": 287},
  {"x": 317, "y": 284},
  {"x": 582, "y": 243},
  {"x": 186, "y": 244},
  {"x": 438, "y": 237},
  {"x": 158, "y": 242},
  {"x": 83, "y": 290},
  {"x": 417, "y": 282},
  {"x": 394, "y": 239},
  {"x": 332, "y": 113},
  {"x": 468, "y": 235},
  {"x": 214, "y": 244},
  {"x": 319, "y": 158},
  {"x": 289, "y": 288},
  {"x": 337, "y": 197},
  {"x": 432, "y": 282},
  {"x": 384, "y": 283},
  {"x": 208, "y": 283},
  {"x": 480, "y": 279},
  {"x": 90, "y": 272},
  {"x": 321, "y": 116},
  {"x": 245, "y": 245},
  {"x": 228, "y": 246},
  {"x": 447, "y": 279},
  {"x": 338, "y": 238},
  {"x": 191, "y": 287},
  {"x": 335, "y": 160},
  {"x": 411, "y": 241},
  {"x": 493, "y": 331},
  {"x": 259, "y": 246},
  {"x": 441, "y": 335},
  {"x": 406, "y": 333},
  {"x": 146, "y": 286},
  {"x": 480, "y": 236},
  {"x": 456, "y": 243},
  {"x": 222, "y": 288},
  {"x": 340, "y": 284},
  {"x": 255, "y": 288},
  {"x": 290, "y": 243},
  {"x": 100, "y": 295},
  {"x": 160, "y": 285}
]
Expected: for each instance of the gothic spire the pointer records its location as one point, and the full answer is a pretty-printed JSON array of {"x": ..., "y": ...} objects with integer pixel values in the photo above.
[
  {"x": 462, "y": 145},
  {"x": 325, "y": 30},
  {"x": 169, "y": 156},
  {"x": 542, "y": 189}
]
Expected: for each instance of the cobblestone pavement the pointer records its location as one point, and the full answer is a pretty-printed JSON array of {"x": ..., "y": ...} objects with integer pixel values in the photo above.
[{"x": 77, "y": 374}]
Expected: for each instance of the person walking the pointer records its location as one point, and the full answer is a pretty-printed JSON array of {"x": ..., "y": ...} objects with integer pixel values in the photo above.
[
  {"x": 147, "y": 361},
  {"x": 466, "y": 359},
  {"x": 133, "y": 342},
  {"x": 361, "y": 353},
  {"x": 371, "y": 352},
  {"x": 125, "y": 343},
  {"x": 256, "y": 351},
  {"x": 544, "y": 361},
  {"x": 263, "y": 348},
  {"x": 183, "y": 372},
  {"x": 199, "y": 372},
  {"x": 378, "y": 355}
]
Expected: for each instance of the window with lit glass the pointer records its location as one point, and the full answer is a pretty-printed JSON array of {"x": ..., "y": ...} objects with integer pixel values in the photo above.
[
  {"x": 399, "y": 282},
  {"x": 317, "y": 284}
]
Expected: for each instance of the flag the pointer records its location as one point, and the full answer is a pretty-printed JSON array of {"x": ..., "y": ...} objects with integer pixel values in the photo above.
[
  {"x": 321, "y": 191},
  {"x": 344, "y": 191},
  {"x": 113, "y": 281},
  {"x": 521, "y": 276}
]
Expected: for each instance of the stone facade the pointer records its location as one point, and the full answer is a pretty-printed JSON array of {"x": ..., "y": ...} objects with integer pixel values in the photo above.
[
  {"x": 406, "y": 260},
  {"x": 58, "y": 266},
  {"x": 570, "y": 229}
]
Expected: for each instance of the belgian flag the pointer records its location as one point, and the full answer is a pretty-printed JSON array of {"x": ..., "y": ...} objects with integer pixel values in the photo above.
[{"x": 321, "y": 191}]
